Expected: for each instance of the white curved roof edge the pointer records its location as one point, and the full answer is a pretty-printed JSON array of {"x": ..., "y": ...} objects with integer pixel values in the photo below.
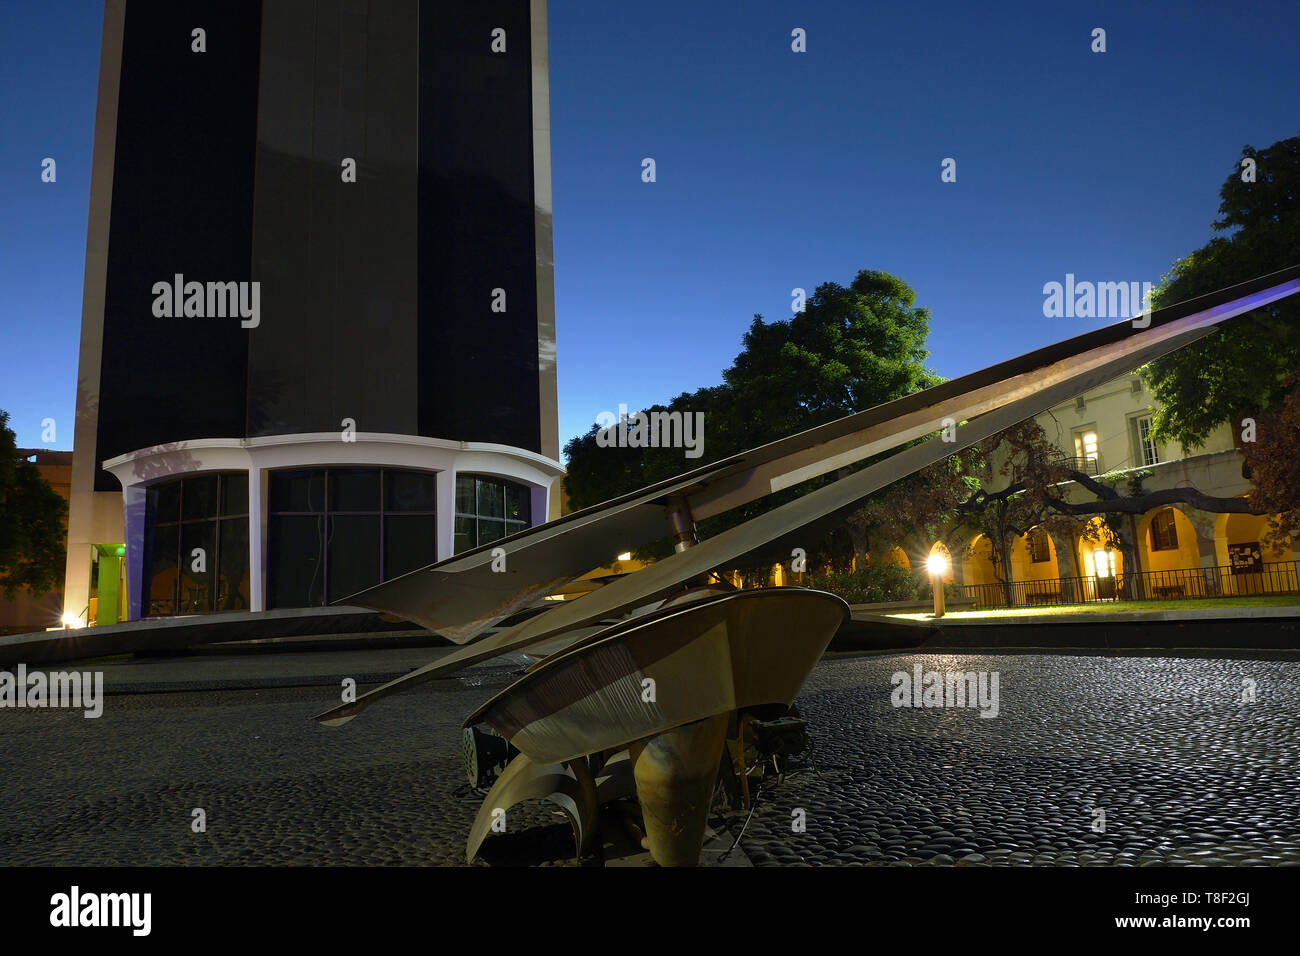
[{"x": 304, "y": 438}]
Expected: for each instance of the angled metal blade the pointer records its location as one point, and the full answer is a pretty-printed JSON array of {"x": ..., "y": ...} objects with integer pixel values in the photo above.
[{"x": 664, "y": 576}]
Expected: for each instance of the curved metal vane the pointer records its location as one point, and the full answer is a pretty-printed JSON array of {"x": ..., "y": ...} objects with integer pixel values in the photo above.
[{"x": 571, "y": 788}]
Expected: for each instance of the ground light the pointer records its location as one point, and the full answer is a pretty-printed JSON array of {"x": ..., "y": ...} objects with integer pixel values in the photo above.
[
  {"x": 938, "y": 567},
  {"x": 72, "y": 620}
]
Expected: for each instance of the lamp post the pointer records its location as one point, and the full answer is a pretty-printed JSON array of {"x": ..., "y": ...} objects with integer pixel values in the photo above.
[{"x": 938, "y": 567}]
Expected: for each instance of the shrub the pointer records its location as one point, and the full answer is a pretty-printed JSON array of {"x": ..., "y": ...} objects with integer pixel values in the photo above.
[{"x": 872, "y": 584}]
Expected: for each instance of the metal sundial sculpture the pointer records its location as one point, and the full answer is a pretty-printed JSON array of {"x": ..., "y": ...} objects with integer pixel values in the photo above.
[{"x": 579, "y": 727}]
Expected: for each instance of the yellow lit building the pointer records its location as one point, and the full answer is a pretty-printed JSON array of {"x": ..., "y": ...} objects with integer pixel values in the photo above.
[{"x": 1181, "y": 551}]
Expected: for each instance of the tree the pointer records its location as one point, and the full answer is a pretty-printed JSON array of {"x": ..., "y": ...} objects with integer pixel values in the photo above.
[
  {"x": 32, "y": 549},
  {"x": 1273, "y": 464},
  {"x": 851, "y": 348},
  {"x": 1240, "y": 370}
]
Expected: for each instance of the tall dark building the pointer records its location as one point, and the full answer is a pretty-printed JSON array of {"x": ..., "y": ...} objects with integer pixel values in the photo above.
[{"x": 318, "y": 343}]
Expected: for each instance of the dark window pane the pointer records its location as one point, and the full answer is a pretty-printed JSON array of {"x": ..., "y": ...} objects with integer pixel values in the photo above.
[
  {"x": 234, "y": 494},
  {"x": 514, "y": 527},
  {"x": 1164, "y": 531},
  {"x": 489, "y": 529},
  {"x": 517, "y": 502},
  {"x": 410, "y": 491},
  {"x": 410, "y": 542},
  {"x": 161, "y": 572},
  {"x": 297, "y": 491},
  {"x": 464, "y": 539},
  {"x": 491, "y": 498},
  {"x": 198, "y": 566},
  {"x": 353, "y": 554},
  {"x": 1039, "y": 550},
  {"x": 465, "y": 504},
  {"x": 232, "y": 580},
  {"x": 354, "y": 490},
  {"x": 295, "y": 561},
  {"x": 199, "y": 497},
  {"x": 165, "y": 502}
]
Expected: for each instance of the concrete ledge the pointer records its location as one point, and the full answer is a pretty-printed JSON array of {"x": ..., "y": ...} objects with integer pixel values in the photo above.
[
  {"x": 1156, "y": 630},
  {"x": 865, "y": 631},
  {"x": 1227, "y": 629},
  {"x": 173, "y": 634},
  {"x": 883, "y": 607},
  {"x": 1126, "y": 617}
]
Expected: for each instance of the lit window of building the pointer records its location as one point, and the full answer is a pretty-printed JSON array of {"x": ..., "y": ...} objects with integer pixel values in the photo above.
[{"x": 1150, "y": 453}]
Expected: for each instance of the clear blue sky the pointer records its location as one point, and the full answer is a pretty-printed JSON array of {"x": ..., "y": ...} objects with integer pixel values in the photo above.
[{"x": 775, "y": 170}]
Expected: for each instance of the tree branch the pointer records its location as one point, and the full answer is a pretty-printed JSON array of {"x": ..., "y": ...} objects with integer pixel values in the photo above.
[{"x": 1141, "y": 504}]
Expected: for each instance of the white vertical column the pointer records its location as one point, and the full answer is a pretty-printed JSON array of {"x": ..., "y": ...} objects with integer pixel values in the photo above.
[
  {"x": 540, "y": 499},
  {"x": 1204, "y": 525},
  {"x": 134, "y": 499},
  {"x": 257, "y": 498},
  {"x": 446, "y": 517}
]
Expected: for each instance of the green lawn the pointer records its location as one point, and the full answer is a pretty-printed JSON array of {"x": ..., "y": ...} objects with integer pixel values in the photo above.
[{"x": 1117, "y": 607}]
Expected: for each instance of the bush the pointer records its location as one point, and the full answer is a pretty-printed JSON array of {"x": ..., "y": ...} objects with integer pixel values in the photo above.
[{"x": 872, "y": 584}]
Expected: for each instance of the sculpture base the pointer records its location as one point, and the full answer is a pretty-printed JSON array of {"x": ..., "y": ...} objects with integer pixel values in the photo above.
[{"x": 675, "y": 773}]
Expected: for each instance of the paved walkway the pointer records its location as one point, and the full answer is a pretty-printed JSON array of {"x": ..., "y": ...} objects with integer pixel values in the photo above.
[
  {"x": 1185, "y": 772},
  {"x": 279, "y": 669}
]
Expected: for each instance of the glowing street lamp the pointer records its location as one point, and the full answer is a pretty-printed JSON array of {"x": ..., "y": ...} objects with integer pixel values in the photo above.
[{"x": 938, "y": 567}]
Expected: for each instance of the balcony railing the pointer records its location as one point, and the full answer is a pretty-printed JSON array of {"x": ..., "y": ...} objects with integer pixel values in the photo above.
[
  {"x": 1282, "y": 577},
  {"x": 1089, "y": 466}
]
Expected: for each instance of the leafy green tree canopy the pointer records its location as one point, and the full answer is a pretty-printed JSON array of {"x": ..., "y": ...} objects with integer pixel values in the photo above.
[
  {"x": 851, "y": 348},
  {"x": 31, "y": 522},
  {"x": 1239, "y": 371}
]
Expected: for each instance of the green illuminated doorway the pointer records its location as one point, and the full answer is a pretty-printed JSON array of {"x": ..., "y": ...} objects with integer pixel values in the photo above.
[{"x": 107, "y": 586}]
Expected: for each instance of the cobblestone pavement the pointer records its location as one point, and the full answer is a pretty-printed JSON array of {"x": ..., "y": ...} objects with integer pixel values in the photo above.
[{"x": 1185, "y": 772}]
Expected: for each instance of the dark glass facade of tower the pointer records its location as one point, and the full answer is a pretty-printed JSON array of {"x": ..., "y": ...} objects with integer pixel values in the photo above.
[
  {"x": 182, "y": 203},
  {"x": 375, "y": 296}
]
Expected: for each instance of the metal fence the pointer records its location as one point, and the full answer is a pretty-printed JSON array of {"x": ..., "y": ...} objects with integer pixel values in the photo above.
[
  {"x": 1184, "y": 584},
  {"x": 1089, "y": 466}
]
